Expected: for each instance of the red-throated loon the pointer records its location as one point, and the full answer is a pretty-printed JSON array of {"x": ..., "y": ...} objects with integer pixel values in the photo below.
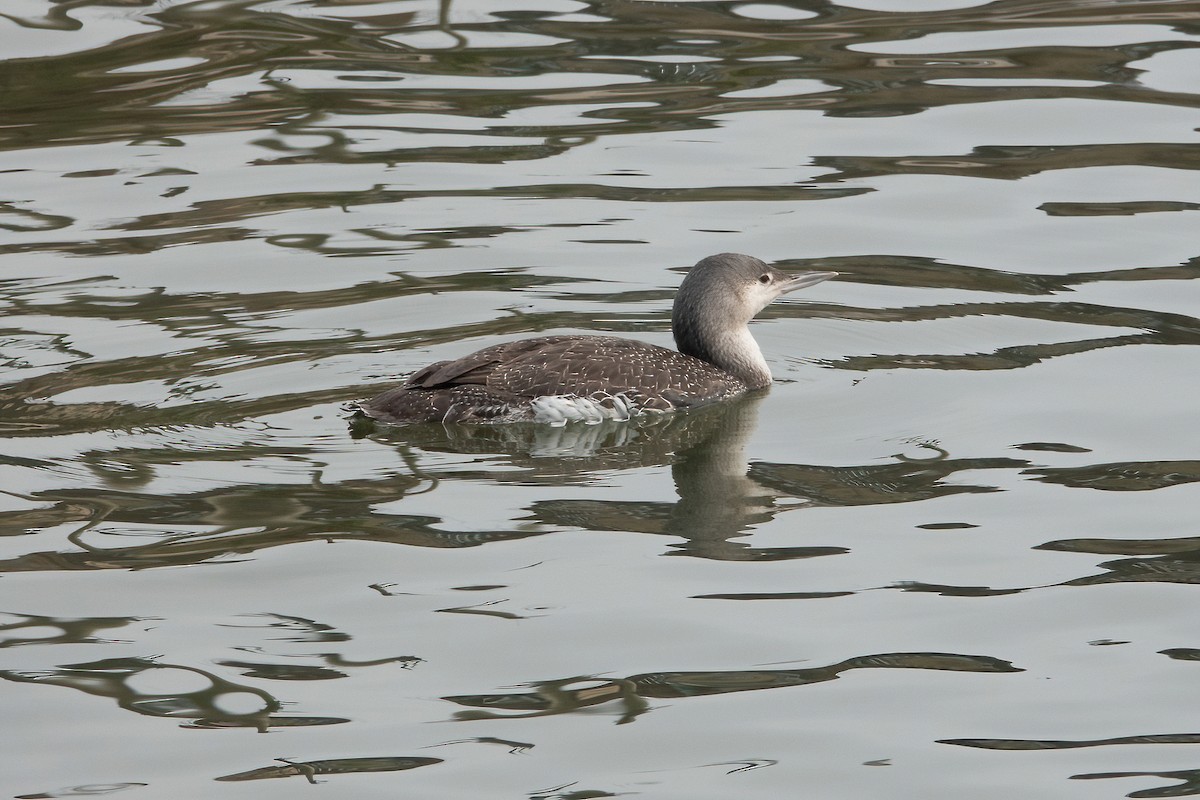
[{"x": 556, "y": 379}]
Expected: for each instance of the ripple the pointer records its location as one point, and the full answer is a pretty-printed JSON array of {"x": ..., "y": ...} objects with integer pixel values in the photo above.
[
  {"x": 1073, "y": 36},
  {"x": 223, "y": 220}
]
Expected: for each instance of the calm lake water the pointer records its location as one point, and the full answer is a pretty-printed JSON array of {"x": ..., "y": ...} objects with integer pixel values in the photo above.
[{"x": 953, "y": 552}]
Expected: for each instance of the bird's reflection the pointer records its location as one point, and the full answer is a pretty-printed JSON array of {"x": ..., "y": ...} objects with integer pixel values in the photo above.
[
  {"x": 717, "y": 499},
  {"x": 719, "y": 496}
]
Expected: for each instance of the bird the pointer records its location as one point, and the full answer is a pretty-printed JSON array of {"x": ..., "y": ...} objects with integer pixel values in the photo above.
[{"x": 590, "y": 378}]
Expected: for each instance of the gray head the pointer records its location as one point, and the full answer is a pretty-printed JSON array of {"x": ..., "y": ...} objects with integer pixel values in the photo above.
[{"x": 716, "y": 300}]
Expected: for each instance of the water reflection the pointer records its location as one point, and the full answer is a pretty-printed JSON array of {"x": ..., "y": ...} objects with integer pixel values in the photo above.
[
  {"x": 301, "y": 672},
  {"x": 1155, "y": 561},
  {"x": 1014, "y": 163},
  {"x": 717, "y": 500},
  {"x": 326, "y": 83},
  {"x": 514, "y": 747},
  {"x": 1158, "y": 561},
  {"x": 153, "y": 687},
  {"x": 118, "y": 679},
  {"x": 222, "y": 219},
  {"x": 1188, "y": 786},
  {"x": 86, "y": 790},
  {"x": 332, "y": 766},
  {"x": 720, "y": 497},
  {"x": 1155, "y": 328},
  {"x": 573, "y": 694},
  {"x": 1070, "y": 744},
  {"x": 32, "y": 629},
  {"x": 909, "y": 480},
  {"x": 1188, "y": 779},
  {"x": 188, "y": 387},
  {"x": 1123, "y": 477},
  {"x": 287, "y": 515}
]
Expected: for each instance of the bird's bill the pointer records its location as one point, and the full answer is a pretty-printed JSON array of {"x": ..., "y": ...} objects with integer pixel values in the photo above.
[{"x": 802, "y": 280}]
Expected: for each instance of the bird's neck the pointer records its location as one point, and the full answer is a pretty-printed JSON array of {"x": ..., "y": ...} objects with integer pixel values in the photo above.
[{"x": 732, "y": 349}]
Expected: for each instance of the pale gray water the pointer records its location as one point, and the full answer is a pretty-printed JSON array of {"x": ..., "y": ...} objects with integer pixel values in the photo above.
[{"x": 952, "y": 552}]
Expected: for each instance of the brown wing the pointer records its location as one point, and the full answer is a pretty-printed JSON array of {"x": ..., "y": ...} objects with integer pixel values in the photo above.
[{"x": 477, "y": 367}]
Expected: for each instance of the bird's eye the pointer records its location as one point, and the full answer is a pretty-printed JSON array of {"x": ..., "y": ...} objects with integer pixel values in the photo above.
[{"x": 765, "y": 278}]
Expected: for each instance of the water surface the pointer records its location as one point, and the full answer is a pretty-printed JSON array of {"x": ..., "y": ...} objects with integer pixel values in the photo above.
[{"x": 951, "y": 551}]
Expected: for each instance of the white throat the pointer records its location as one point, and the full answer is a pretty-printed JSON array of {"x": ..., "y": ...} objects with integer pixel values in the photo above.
[{"x": 736, "y": 352}]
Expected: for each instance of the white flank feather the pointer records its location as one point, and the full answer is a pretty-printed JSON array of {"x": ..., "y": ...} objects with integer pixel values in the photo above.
[{"x": 559, "y": 409}]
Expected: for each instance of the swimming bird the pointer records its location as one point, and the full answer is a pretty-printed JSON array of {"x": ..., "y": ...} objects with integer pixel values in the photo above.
[{"x": 556, "y": 379}]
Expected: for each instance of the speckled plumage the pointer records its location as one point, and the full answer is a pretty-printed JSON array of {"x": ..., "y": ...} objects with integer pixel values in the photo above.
[
  {"x": 498, "y": 383},
  {"x": 559, "y": 378}
]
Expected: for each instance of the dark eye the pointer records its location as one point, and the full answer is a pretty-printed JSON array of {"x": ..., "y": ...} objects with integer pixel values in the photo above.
[{"x": 765, "y": 278}]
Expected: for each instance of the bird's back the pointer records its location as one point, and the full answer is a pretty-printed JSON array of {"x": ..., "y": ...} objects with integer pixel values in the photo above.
[{"x": 552, "y": 379}]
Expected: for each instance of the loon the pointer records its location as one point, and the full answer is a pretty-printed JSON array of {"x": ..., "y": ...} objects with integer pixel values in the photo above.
[{"x": 557, "y": 379}]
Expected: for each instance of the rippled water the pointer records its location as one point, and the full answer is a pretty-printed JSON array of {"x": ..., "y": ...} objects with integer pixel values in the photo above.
[{"x": 952, "y": 552}]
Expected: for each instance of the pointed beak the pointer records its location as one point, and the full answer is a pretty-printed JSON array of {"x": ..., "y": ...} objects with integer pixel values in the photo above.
[{"x": 802, "y": 280}]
